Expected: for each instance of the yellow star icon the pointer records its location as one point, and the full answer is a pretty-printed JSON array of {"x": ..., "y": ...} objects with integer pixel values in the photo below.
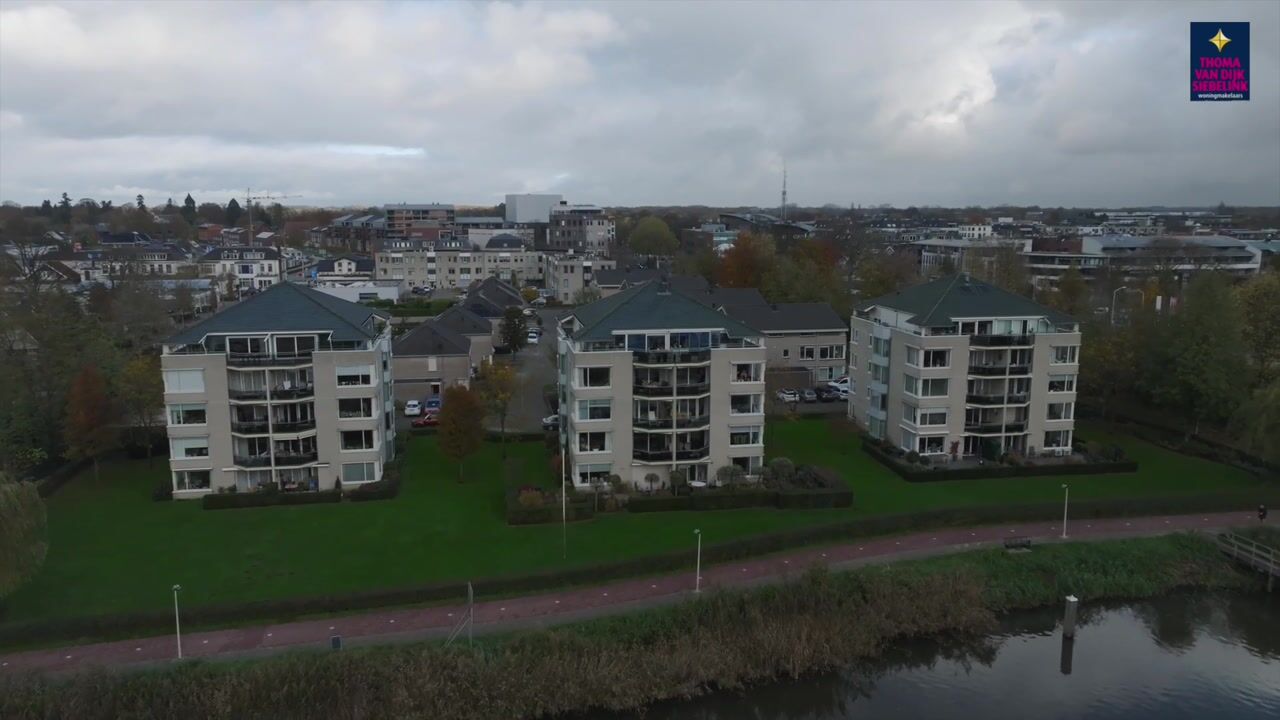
[{"x": 1219, "y": 41}]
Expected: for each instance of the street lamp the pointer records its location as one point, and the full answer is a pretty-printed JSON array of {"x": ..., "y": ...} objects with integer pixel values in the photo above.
[
  {"x": 1142, "y": 299},
  {"x": 697, "y": 572},
  {"x": 1066, "y": 493},
  {"x": 177, "y": 625}
]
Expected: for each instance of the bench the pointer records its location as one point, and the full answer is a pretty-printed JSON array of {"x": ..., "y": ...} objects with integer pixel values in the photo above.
[{"x": 1017, "y": 543}]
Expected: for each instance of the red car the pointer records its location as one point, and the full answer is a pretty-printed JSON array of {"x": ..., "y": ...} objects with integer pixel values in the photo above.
[{"x": 427, "y": 420}]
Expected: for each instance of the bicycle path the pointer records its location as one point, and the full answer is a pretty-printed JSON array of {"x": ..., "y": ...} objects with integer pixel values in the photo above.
[{"x": 411, "y": 624}]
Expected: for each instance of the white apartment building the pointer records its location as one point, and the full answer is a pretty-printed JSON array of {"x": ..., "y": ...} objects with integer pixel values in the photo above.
[
  {"x": 975, "y": 232},
  {"x": 958, "y": 367},
  {"x": 567, "y": 274},
  {"x": 254, "y": 268},
  {"x": 455, "y": 263},
  {"x": 530, "y": 207},
  {"x": 651, "y": 381},
  {"x": 289, "y": 386}
]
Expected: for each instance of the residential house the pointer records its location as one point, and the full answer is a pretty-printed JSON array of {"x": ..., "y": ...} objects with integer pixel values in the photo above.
[
  {"x": 243, "y": 268},
  {"x": 428, "y": 359},
  {"x": 477, "y": 330}
]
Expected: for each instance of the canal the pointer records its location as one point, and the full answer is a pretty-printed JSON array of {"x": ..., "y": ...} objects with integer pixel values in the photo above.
[{"x": 1192, "y": 656}]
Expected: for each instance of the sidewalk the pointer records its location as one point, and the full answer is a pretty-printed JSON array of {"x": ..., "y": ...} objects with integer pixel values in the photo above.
[{"x": 412, "y": 624}]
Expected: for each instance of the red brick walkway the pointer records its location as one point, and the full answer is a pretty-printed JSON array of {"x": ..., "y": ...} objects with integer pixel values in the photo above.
[{"x": 403, "y": 625}]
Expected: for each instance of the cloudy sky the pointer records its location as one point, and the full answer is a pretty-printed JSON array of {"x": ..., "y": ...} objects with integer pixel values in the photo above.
[{"x": 947, "y": 103}]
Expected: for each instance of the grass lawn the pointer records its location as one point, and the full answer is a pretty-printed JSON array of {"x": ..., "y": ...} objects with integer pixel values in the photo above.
[{"x": 114, "y": 550}]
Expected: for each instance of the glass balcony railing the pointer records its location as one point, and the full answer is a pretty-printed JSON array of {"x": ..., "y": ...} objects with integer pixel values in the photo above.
[
  {"x": 255, "y": 360},
  {"x": 249, "y": 427},
  {"x": 287, "y": 459},
  {"x": 293, "y": 426},
  {"x": 1001, "y": 340},
  {"x": 671, "y": 357}
]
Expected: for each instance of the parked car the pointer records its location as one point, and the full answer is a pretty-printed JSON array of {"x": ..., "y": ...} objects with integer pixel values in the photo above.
[
  {"x": 432, "y": 405},
  {"x": 788, "y": 395},
  {"x": 840, "y": 383},
  {"x": 413, "y": 408},
  {"x": 551, "y": 422},
  {"x": 528, "y": 312},
  {"x": 808, "y": 395},
  {"x": 428, "y": 420},
  {"x": 531, "y": 337},
  {"x": 539, "y": 302},
  {"x": 842, "y": 394},
  {"x": 827, "y": 394}
]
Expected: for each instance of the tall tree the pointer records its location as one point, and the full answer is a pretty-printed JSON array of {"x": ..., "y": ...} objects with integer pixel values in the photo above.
[
  {"x": 89, "y": 428},
  {"x": 652, "y": 236},
  {"x": 744, "y": 265},
  {"x": 1072, "y": 295},
  {"x": 1260, "y": 306},
  {"x": 211, "y": 213},
  {"x": 233, "y": 213},
  {"x": 46, "y": 209},
  {"x": 496, "y": 383},
  {"x": 189, "y": 210},
  {"x": 1257, "y": 422},
  {"x": 1108, "y": 365},
  {"x": 513, "y": 330},
  {"x": 883, "y": 274},
  {"x": 461, "y": 425},
  {"x": 64, "y": 210},
  {"x": 140, "y": 202},
  {"x": 1199, "y": 367},
  {"x": 142, "y": 399},
  {"x": 23, "y": 533}
]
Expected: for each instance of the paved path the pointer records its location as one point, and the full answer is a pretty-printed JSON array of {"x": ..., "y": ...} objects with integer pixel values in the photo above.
[{"x": 404, "y": 625}]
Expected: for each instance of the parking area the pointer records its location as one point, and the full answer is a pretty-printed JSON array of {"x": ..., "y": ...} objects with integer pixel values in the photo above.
[{"x": 536, "y": 370}]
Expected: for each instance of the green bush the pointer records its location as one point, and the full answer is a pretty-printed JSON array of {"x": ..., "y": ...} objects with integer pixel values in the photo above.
[
  {"x": 518, "y": 513},
  {"x": 658, "y": 503},
  {"x": 803, "y": 499},
  {"x": 226, "y": 501},
  {"x": 939, "y": 473}
]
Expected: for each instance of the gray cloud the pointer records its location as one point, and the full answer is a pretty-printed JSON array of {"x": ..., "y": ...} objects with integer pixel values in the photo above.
[{"x": 632, "y": 103}]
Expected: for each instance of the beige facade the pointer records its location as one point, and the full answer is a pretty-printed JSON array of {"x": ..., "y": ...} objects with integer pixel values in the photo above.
[
  {"x": 1008, "y": 383},
  {"x": 420, "y": 377},
  {"x": 566, "y": 274},
  {"x": 822, "y": 354},
  {"x": 458, "y": 268},
  {"x": 290, "y": 407}
]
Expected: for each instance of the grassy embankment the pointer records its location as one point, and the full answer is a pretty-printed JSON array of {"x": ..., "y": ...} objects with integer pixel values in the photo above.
[{"x": 723, "y": 640}]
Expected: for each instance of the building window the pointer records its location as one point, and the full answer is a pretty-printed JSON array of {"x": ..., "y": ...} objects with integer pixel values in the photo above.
[
  {"x": 853, "y": 361},
  {"x": 806, "y": 352},
  {"x": 875, "y": 426},
  {"x": 184, "y": 381},
  {"x": 357, "y": 439},
  {"x": 932, "y": 445},
  {"x": 355, "y": 408},
  {"x": 880, "y": 346},
  {"x": 183, "y": 448},
  {"x": 930, "y": 387},
  {"x": 825, "y": 373},
  {"x": 880, "y": 374},
  {"x": 933, "y": 416},
  {"x": 593, "y": 442},
  {"x": 855, "y": 337},
  {"x": 786, "y": 353},
  {"x": 1064, "y": 354},
  {"x": 355, "y": 376},
  {"x": 749, "y": 464},
  {"x": 748, "y": 372},
  {"x": 1062, "y": 383},
  {"x": 749, "y": 435},
  {"x": 590, "y": 377},
  {"x": 595, "y": 409},
  {"x": 362, "y": 472},
  {"x": 746, "y": 404},
  {"x": 186, "y": 415},
  {"x": 1057, "y": 439},
  {"x": 913, "y": 356},
  {"x": 910, "y": 383},
  {"x": 191, "y": 480},
  {"x": 1061, "y": 411},
  {"x": 937, "y": 358},
  {"x": 592, "y": 474},
  {"x": 909, "y": 413}
]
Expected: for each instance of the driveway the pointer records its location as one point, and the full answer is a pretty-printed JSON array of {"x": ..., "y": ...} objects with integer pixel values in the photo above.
[{"x": 536, "y": 368}]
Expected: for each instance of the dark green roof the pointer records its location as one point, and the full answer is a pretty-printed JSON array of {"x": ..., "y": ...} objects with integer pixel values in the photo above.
[
  {"x": 651, "y": 306},
  {"x": 939, "y": 302},
  {"x": 286, "y": 307}
]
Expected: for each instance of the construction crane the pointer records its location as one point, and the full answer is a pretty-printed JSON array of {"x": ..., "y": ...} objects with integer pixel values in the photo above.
[{"x": 249, "y": 197}]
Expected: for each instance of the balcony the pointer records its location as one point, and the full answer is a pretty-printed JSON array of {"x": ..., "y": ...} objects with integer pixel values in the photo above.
[
  {"x": 652, "y": 423},
  {"x": 988, "y": 370},
  {"x": 294, "y": 426},
  {"x": 671, "y": 357},
  {"x": 247, "y": 394},
  {"x": 663, "y": 455},
  {"x": 249, "y": 427},
  {"x": 236, "y": 360},
  {"x": 292, "y": 393},
  {"x": 693, "y": 453},
  {"x": 651, "y": 390},
  {"x": 693, "y": 388},
  {"x": 1019, "y": 399},
  {"x": 252, "y": 460},
  {"x": 995, "y": 428},
  {"x": 687, "y": 421},
  {"x": 288, "y": 459},
  {"x": 1019, "y": 369},
  {"x": 1001, "y": 340}
]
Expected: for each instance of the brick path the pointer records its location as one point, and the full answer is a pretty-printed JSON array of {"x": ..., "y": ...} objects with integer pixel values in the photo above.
[{"x": 404, "y": 625}]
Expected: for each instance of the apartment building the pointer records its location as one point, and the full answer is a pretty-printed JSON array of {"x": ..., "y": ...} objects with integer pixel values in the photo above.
[
  {"x": 957, "y": 367},
  {"x": 248, "y": 267},
  {"x": 652, "y": 380},
  {"x": 800, "y": 336},
  {"x": 567, "y": 274},
  {"x": 1134, "y": 257},
  {"x": 289, "y": 386},
  {"x": 580, "y": 228},
  {"x": 456, "y": 263},
  {"x": 402, "y": 219}
]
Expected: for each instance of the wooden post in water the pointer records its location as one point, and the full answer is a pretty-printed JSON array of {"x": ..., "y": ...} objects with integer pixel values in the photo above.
[{"x": 1069, "y": 617}]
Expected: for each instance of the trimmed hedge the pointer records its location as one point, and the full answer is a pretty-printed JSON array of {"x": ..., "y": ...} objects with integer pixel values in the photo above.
[
  {"x": 733, "y": 500},
  {"x": 797, "y": 499},
  {"x": 911, "y": 474},
  {"x": 518, "y": 514},
  {"x": 50, "y": 483},
  {"x": 226, "y": 501},
  {"x": 385, "y": 489},
  {"x": 283, "y": 609},
  {"x": 658, "y": 503},
  {"x": 786, "y": 499}
]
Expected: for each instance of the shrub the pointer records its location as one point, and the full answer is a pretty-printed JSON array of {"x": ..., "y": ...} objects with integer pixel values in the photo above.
[
  {"x": 531, "y": 498},
  {"x": 679, "y": 481},
  {"x": 925, "y": 461},
  {"x": 725, "y": 500},
  {"x": 658, "y": 503},
  {"x": 730, "y": 476},
  {"x": 384, "y": 489},
  {"x": 652, "y": 480},
  {"x": 549, "y": 509},
  {"x": 230, "y": 500},
  {"x": 913, "y": 457},
  {"x": 783, "y": 469},
  {"x": 163, "y": 490}
]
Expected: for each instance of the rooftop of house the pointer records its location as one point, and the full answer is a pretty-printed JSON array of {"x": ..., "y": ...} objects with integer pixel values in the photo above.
[
  {"x": 941, "y": 302},
  {"x": 329, "y": 265},
  {"x": 787, "y": 317},
  {"x": 286, "y": 307},
  {"x": 505, "y": 241},
  {"x": 238, "y": 253},
  {"x": 418, "y": 206},
  {"x": 463, "y": 321},
  {"x": 491, "y": 297},
  {"x": 431, "y": 338},
  {"x": 651, "y": 306}
]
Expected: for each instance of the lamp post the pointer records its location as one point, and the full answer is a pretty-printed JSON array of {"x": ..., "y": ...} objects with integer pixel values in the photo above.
[
  {"x": 697, "y": 572},
  {"x": 1113, "y": 303},
  {"x": 177, "y": 624},
  {"x": 1066, "y": 493}
]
